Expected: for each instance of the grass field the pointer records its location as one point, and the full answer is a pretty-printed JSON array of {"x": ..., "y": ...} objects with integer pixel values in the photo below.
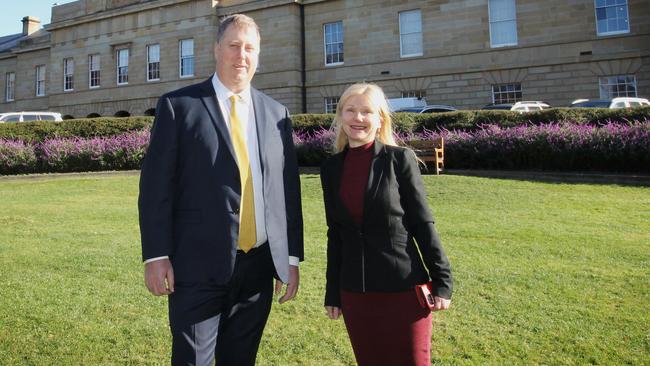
[{"x": 546, "y": 273}]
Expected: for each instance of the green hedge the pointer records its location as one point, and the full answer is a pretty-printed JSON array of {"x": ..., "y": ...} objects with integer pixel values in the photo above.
[
  {"x": 88, "y": 127},
  {"x": 404, "y": 122},
  {"x": 472, "y": 119}
]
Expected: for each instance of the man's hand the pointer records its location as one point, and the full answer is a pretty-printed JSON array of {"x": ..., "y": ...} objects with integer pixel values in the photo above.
[
  {"x": 441, "y": 303},
  {"x": 292, "y": 286},
  {"x": 333, "y": 312},
  {"x": 159, "y": 277}
]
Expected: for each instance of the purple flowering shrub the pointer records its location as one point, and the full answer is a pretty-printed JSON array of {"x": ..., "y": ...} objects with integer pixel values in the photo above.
[
  {"x": 608, "y": 147},
  {"x": 74, "y": 154},
  {"x": 91, "y": 154},
  {"x": 16, "y": 157},
  {"x": 312, "y": 147},
  {"x": 555, "y": 146}
]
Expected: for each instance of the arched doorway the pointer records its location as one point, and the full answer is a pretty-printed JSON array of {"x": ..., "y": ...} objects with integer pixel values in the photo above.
[
  {"x": 150, "y": 112},
  {"x": 68, "y": 116},
  {"x": 93, "y": 115},
  {"x": 122, "y": 114}
]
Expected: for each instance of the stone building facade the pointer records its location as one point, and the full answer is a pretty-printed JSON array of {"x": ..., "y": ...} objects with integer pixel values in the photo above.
[{"x": 116, "y": 57}]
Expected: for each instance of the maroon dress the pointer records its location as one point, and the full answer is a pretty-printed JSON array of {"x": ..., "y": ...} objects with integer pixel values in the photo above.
[{"x": 385, "y": 328}]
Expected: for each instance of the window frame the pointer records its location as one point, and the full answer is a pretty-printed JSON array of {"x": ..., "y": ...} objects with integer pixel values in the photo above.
[
  {"x": 331, "y": 103},
  {"x": 40, "y": 80},
  {"x": 491, "y": 22},
  {"x": 153, "y": 67},
  {"x": 181, "y": 58},
  {"x": 516, "y": 90},
  {"x": 609, "y": 84},
  {"x": 341, "y": 59},
  {"x": 401, "y": 47},
  {"x": 91, "y": 77},
  {"x": 119, "y": 66},
  {"x": 608, "y": 33},
  {"x": 68, "y": 75},
  {"x": 10, "y": 86},
  {"x": 420, "y": 94}
]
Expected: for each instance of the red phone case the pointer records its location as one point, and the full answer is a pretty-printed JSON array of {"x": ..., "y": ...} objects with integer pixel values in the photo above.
[{"x": 425, "y": 295}]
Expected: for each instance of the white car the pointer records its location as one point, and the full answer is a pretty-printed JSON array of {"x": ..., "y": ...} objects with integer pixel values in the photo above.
[
  {"x": 529, "y": 106},
  {"x": 30, "y": 116},
  {"x": 616, "y": 103},
  {"x": 521, "y": 107},
  {"x": 396, "y": 104},
  {"x": 627, "y": 102}
]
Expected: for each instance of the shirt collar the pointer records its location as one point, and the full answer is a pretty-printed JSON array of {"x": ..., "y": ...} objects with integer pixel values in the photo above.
[{"x": 224, "y": 94}]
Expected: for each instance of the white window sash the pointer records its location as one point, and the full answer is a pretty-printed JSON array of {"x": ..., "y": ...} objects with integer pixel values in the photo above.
[
  {"x": 68, "y": 74},
  {"x": 503, "y": 23},
  {"x": 333, "y": 43},
  {"x": 94, "y": 68},
  {"x": 186, "y": 58},
  {"x": 410, "y": 28},
  {"x": 10, "y": 87},
  {"x": 122, "y": 65}
]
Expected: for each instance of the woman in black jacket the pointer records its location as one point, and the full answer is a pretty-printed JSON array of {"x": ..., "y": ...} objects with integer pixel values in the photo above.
[{"x": 381, "y": 238}]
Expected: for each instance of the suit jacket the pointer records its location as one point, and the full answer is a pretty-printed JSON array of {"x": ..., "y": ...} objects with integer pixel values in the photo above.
[
  {"x": 190, "y": 188},
  {"x": 381, "y": 255}
]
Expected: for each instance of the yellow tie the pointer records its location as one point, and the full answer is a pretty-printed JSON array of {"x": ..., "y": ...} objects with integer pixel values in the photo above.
[{"x": 247, "y": 230}]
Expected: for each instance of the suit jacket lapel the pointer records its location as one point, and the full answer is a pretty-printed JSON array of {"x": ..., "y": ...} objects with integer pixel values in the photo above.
[
  {"x": 209, "y": 99},
  {"x": 261, "y": 126}
]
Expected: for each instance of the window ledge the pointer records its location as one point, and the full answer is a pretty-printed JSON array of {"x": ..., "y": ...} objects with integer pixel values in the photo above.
[{"x": 412, "y": 55}]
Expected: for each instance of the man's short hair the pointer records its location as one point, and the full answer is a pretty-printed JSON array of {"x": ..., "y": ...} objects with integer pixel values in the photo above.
[{"x": 237, "y": 20}]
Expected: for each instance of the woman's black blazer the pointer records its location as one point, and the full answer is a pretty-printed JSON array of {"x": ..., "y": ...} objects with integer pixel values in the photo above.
[{"x": 381, "y": 255}]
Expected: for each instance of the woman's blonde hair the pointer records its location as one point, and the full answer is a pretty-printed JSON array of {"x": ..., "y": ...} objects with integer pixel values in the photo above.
[{"x": 378, "y": 100}]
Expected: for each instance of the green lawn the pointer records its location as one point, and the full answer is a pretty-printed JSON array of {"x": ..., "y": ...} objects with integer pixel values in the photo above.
[{"x": 554, "y": 274}]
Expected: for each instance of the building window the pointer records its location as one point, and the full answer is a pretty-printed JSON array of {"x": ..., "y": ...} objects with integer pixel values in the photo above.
[
  {"x": 503, "y": 23},
  {"x": 186, "y": 57},
  {"x": 333, "y": 43},
  {"x": 40, "y": 80},
  {"x": 94, "y": 71},
  {"x": 420, "y": 94},
  {"x": 330, "y": 104},
  {"x": 506, "y": 93},
  {"x": 410, "y": 33},
  {"x": 68, "y": 74},
  {"x": 123, "y": 66},
  {"x": 617, "y": 86},
  {"x": 611, "y": 17},
  {"x": 153, "y": 62},
  {"x": 10, "y": 86}
]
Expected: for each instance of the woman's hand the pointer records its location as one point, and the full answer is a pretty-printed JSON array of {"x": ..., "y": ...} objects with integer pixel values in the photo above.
[
  {"x": 333, "y": 312},
  {"x": 441, "y": 303}
]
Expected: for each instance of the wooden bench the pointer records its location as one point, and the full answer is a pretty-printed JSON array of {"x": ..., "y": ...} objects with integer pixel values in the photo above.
[{"x": 430, "y": 151}]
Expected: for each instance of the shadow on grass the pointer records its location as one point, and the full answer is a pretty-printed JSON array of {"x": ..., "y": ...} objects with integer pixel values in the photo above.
[{"x": 623, "y": 179}]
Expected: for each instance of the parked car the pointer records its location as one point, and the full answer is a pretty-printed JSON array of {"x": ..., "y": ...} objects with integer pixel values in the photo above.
[
  {"x": 521, "y": 107},
  {"x": 30, "y": 116},
  {"x": 434, "y": 108},
  {"x": 618, "y": 102},
  {"x": 400, "y": 103}
]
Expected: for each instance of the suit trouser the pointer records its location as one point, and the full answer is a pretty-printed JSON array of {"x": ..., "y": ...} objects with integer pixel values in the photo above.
[{"x": 223, "y": 322}]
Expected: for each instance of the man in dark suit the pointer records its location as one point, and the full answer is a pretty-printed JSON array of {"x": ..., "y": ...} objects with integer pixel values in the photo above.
[{"x": 220, "y": 212}]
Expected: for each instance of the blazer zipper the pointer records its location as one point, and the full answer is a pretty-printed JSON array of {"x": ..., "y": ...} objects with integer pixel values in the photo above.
[{"x": 363, "y": 263}]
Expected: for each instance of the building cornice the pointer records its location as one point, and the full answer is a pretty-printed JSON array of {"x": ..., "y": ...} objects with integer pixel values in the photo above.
[
  {"x": 111, "y": 13},
  {"x": 235, "y": 6}
]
